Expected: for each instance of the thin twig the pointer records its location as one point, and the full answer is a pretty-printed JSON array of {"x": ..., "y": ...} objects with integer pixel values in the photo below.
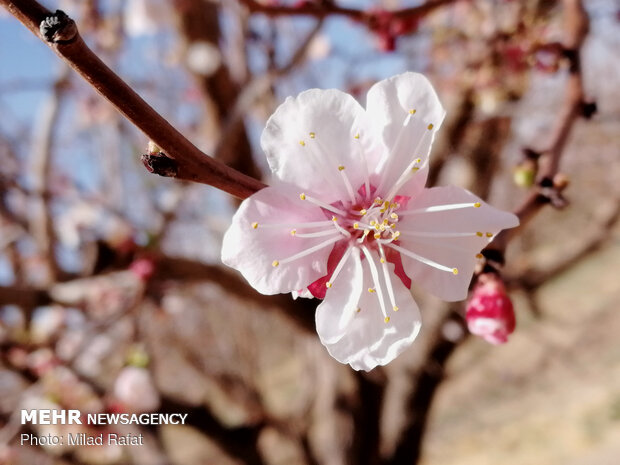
[
  {"x": 544, "y": 192},
  {"x": 189, "y": 163}
]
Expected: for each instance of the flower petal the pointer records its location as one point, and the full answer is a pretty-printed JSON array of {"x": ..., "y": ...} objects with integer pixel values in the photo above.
[
  {"x": 252, "y": 250},
  {"x": 450, "y": 237},
  {"x": 368, "y": 340},
  {"x": 310, "y": 136},
  {"x": 334, "y": 315},
  {"x": 390, "y": 104}
]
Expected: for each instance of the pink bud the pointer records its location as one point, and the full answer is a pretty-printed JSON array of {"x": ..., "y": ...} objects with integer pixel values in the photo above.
[{"x": 489, "y": 313}]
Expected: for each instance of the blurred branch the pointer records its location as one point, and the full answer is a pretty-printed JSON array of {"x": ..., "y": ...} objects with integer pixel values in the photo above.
[
  {"x": 324, "y": 8},
  {"x": 25, "y": 297},
  {"x": 366, "y": 415},
  {"x": 533, "y": 278},
  {"x": 183, "y": 159},
  {"x": 258, "y": 85},
  {"x": 429, "y": 378},
  {"x": 41, "y": 221},
  {"x": 547, "y": 189},
  {"x": 239, "y": 442},
  {"x": 199, "y": 24},
  {"x": 300, "y": 312}
]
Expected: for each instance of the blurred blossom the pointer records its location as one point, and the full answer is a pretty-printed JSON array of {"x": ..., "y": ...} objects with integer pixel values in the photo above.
[
  {"x": 350, "y": 221},
  {"x": 146, "y": 17},
  {"x": 319, "y": 47},
  {"x": 203, "y": 58},
  {"x": 45, "y": 323},
  {"x": 489, "y": 312},
  {"x": 135, "y": 390}
]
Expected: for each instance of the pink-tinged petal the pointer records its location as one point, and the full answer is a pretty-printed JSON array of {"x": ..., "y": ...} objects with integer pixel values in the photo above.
[
  {"x": 448, "y": 237},
  {"x": 405, "y": 106},
  {"x": 302, "y": 293},
  {"x": 310, "y": 136},
  {"x": 334, "y": 315},
  {"x": 370, "y": 341},
  {"x": 318, "y": 288},
  {"x": 251, "y": 246}
]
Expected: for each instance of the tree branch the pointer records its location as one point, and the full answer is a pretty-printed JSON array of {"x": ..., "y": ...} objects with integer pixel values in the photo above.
[
  {"x": 547, "y": 190},
  {"x": 61, "y": 34}
]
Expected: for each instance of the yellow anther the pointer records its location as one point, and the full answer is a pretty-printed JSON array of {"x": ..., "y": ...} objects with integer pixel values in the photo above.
[
  {"x": 254, "y": 225},
  {"x": 293, "y": 232},
  {"x": 382, "y": 260},
  {"x": 377, "y": 227},
  {"x": 358, "y": 310},
  {"x": 393, "y": 205},
  {"x": 430, "y": 126},
  {"x": 412, "y": 111},
  {"x": 312, "y": 135},
  {"x": 356, "y": 225},
  {"x": 386, "y": 203},
  {"x": 393, "y": 225},
  {"x": 395, "y": 307},
  {"x": 395, "y": 234},
  {"x": 418, "y": 160},
  {"x": 372, "y": 222},
  {"x": 382, "y": 228},
  {"x": 455, "y": 271},
  {"x": 479, "y": 234},
  {"x": 341, "y": 168},
  {"x": 302, "y": 143},
  {"x": 275, "y": 263},
  {"x": 378, "y": 200},
  {"x": 302, "y": 196},
  {"x": 363, "y": 211},
  {"x": 377, "y": 235},
  {"x": 394, "y": 216},
  {"x": 371, "y": 290},
  {"x": 479, "y": 255},
  {"x": 328, "y": 284},
  {"x": 385, "y": 221},
  {"x": 387, "y": 319},
  {"x": 356, "y": 136},
  {"x": 489, "y": 234},
  {"x": 477, "y": 205},
  {"x": 414, "y": 169},
  {"x": 335, "y": 219}
]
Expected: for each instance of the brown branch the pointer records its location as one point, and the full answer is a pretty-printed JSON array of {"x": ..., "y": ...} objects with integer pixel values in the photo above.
[
  {"x": 258, "y": 85},
  {"x": 546, "y": 190},
  {"x": 41, "y": 221},
  {"x": 24, "y": 296},
  {"x": 366, "y": 416},
  {"x": 420, "y": 400},
  {"x": 61, "y": 34},
  {"x": 531, "y": 279}
]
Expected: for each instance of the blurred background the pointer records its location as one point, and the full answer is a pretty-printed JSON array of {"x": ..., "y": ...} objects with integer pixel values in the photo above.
[{"x": 113, "y": 299}]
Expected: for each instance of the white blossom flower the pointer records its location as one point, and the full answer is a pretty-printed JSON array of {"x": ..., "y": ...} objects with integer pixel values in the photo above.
[{"x": 348, "y": 218}]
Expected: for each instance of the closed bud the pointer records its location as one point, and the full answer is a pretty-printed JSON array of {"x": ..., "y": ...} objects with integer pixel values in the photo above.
[
  {"x": 489, "y": 312},
  {"x": 524, "y": 174}
]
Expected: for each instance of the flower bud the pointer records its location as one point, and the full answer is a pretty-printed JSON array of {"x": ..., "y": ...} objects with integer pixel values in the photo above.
[
  {"x": 489, "y": 312},
  {"x": 524, "y": 174}
]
